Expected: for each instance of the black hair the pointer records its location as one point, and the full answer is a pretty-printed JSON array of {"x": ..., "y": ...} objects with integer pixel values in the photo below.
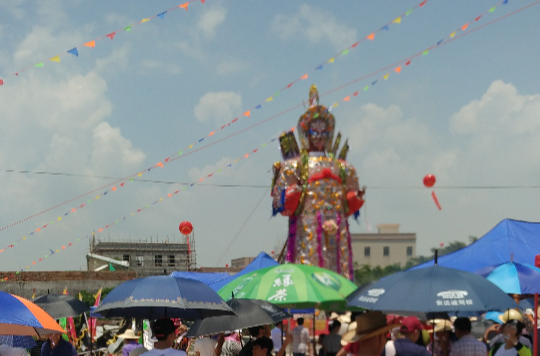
[
  {"x": 300, "y": 321},
  {"x": 334, "y": 325},
  {"x": 254, "y": 330},
  {"x": 265, "y": 343},
  {"x": 518, "y": 325},
  {"x": 463, "y": 324}
]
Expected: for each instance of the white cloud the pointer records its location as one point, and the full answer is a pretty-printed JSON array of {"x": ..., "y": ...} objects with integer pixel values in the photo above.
[
  {"x": 230, "y": 66},
  {"x": 154, "y": 65},
  {"x": 210, "y": 20},
  {"x": 117, "y": 60},
  {"x": 220, "y": 106},
  {"x": 196, "y": 173},
  {"x": 315, "y": 25},
  {"x": 13, "y": 7}
]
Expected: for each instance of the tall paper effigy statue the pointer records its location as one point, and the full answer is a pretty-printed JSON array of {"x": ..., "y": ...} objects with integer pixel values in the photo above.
[{"x": 318, "y": 190}]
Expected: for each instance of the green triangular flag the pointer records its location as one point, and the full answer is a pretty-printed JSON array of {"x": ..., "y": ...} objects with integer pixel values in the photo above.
[
  {"x": 345, "y": 52},
  {"x": 127, "y": 28},
  {"x": 40, "y": 64},
  {"x": 111, "y": 268}
]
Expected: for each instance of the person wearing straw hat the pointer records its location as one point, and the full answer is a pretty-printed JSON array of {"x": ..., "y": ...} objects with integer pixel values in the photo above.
[
  {"x": 507, "y": 316},
  {"x": 512, "y": 346},
  {"x": 130, "y": 342},
  {"x": 366, "y": 335},
  {"x": 442, "y": 331}
]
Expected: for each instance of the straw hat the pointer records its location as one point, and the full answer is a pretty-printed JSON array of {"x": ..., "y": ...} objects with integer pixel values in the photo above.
[
  {"x": 510, "y": 314},
  {"x": 129, "y": 334},
  {"x": 366, "y": 326},
  {"x": 342, "y": 318},
  {"x": 442, "y": 325}
]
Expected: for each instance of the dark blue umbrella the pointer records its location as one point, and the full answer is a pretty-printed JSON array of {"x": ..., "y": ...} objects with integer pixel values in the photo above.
[
  {"x": 163, "y": 297},
  {"x": 513, "y": 277},
  {"x": 432, "y": 289},
  {"x": 26, "y": 342}
]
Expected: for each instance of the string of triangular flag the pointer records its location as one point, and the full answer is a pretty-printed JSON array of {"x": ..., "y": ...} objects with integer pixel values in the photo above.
[
  {"x": 92, "y": 43},
  {"x": 169, "y": 195},
  {"x": 396, "y": 69}
]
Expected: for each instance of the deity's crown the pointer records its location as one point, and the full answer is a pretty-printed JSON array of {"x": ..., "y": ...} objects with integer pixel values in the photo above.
[{"x": 313, "y": 113}]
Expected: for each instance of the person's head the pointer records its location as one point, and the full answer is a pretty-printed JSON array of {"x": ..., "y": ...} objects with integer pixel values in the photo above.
[
  {"x": 462, "y": 327},
  {"x": 321, "y": 339},
  {"x": 55, "y": 338},
  {"x": 257, "y": 331},
  {"x": 164, "y": 331},
  {"x": 512, "y": 330},
  {"x": 411, "y": 328},
  {"x": 300, "y": 321},
  {"x": 279, "y": 325},
  {"x": 334, "y": 327},
  {"x": 263, "y": 346}
]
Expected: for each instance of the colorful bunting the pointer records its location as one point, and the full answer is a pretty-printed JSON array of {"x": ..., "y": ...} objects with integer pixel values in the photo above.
[
  {"x": 55, "y": 59},
  {"x": 464, "y": 27},
  {"x": 111, "y": 35},
  {"x": 331, "y": 60},
  {"x": 74, "y": 52},
  {"x": 185, "y": 6},
  {"x": 128, "y": 28},
  {"x": 39, "y": 65},
  {"x": 162, "y": 15},
  {"x": 247, "y": 113},
  {"x": 305, "y": 76},
  {"x": 398, "y": 20},
  {"x": 91, "y": 44},
  {"x": 371, "y": 37},
  {"x": 145, "y": 20},
  {"x": 398, "y": 69}
]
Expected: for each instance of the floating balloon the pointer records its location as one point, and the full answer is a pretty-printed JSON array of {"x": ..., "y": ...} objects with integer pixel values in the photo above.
[
  {"x": 1, "y": 82},
  {"x": 429, "y": 180},
  {"x": 185, "y": 228},
  {"x": 226, "y": 265}
]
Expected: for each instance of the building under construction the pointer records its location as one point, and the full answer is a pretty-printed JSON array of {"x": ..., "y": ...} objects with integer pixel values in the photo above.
[{"x": 147, "y": 258}]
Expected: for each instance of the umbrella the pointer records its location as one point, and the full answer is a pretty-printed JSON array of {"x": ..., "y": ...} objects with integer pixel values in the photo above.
[
  {"x": 19, "y": 316},
  {"x": 61, "y": 305},
  {"x": 432, "y": 289},
  {"x": 513, "y": 277},
  {"x": 292, "y": 286},
  {"x": 163, "y": 297},
  {"x": 248, "y": 313},
  {"x": 24, "y": 341}
]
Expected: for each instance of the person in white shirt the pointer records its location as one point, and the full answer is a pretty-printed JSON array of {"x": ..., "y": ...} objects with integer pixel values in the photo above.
[
  {"x": 277, "y": 334},
  {"x": 300, "y": 336},
  {"x": 205, "y": 346},
  {"x": 164, "y": 331},
  {"x": 6, "y": 350}
]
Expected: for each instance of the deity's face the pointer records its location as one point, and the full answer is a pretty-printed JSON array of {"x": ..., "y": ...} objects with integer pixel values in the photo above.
[{"x": 318, "y": 135}]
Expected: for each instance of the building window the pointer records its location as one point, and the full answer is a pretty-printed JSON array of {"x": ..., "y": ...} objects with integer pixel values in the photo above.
[
  {"x": 409, "y": 250},
  {"x": 367, "y": 251},
  {"x": 125, "y": 258},
  {"x": 386, "y": 251},
  {"x": 158, "y": 260},
  {"x": 171, "y": 260},
  {"x": 139, "y": 260}
]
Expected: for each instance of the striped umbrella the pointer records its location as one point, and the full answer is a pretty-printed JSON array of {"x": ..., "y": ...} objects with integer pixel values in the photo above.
[{"x": 19, "y": 316}]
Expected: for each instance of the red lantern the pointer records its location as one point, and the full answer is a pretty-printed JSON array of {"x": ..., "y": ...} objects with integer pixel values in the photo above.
[
  {"x": 227, "y": 265},
  {"x": 185, "y": 228},
  {"x": 429, "y": 180}
]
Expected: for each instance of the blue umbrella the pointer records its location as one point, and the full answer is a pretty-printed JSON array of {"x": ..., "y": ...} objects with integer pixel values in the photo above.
[
  {"x": 513, "y": 277},
  {"x": 163, "y": 297},
  {"x": 26, "y": 342},
  {"x": 432, "y": 289}
]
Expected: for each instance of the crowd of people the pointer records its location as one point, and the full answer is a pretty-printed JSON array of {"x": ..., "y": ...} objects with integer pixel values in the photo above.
[{"x": 371, "y": 333}]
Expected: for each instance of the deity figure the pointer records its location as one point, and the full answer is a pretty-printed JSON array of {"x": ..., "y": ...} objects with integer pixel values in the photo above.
[{"x": 318, "y": 190}]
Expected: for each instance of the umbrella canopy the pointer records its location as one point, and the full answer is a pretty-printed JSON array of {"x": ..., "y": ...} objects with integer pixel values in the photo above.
[
  {"x": 248, "y": 313},
  {"x": 61, "y": 305},
  {"x": 432, "y": 289},
  {"x": 24, "y": 341},
  {"x": 19, "y": 316},
  {"x": 163, "y": 297},
  {"x": 292, "y": 286},
  {"x": 513, "y": 277}
]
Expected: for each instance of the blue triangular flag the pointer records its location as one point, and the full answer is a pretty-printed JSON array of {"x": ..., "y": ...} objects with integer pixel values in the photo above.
[
  {"x": 162, "y": 15},
  {"x": 258, "y": 106},
  {"x": 505, "y": 2},
  {"x": 385, "y": 28},
  {"x": 201, "y": 139},
  {"x": 229, "y": 165},
  {"x": 438, "y": 43},
  {"x": 375, "y": 82},
  {"x": 74, "y": 52},
  {"x": 318, "y": 68}
]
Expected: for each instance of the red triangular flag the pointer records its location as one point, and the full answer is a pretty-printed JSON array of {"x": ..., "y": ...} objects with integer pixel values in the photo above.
[
  {"x": 354, "y": 45},
  {"x": 111, "y": 35},
  {"x": 409, "y": 62},
  {"x": 422, "y": 3},
  {"x": 290, "y": 85}
]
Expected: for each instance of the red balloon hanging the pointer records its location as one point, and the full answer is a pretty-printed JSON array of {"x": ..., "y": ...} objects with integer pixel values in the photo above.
[
  {"x": 185, "y": 228},
  {"x": 429, "y": 180},
  {"x": 1, "y": 82}
]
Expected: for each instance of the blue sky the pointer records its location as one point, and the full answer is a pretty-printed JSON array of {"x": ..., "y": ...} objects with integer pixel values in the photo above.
[{"x": 468, "y": 112}]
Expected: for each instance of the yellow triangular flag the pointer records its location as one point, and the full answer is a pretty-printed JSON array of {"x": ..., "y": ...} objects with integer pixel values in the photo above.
[
  {"x": 269, "y": 99},
  {"x": 386, "y": 76},
  {"x": 398, "y": 20},
  {"x": 55, "y": 59},
  {"x": 331, "y": 60},
  {"x": 145, "y": 20},
  {"x": 452, "y": 34}
]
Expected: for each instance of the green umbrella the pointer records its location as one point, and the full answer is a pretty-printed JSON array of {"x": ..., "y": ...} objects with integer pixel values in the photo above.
[{"x": 292, "y": 286}]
